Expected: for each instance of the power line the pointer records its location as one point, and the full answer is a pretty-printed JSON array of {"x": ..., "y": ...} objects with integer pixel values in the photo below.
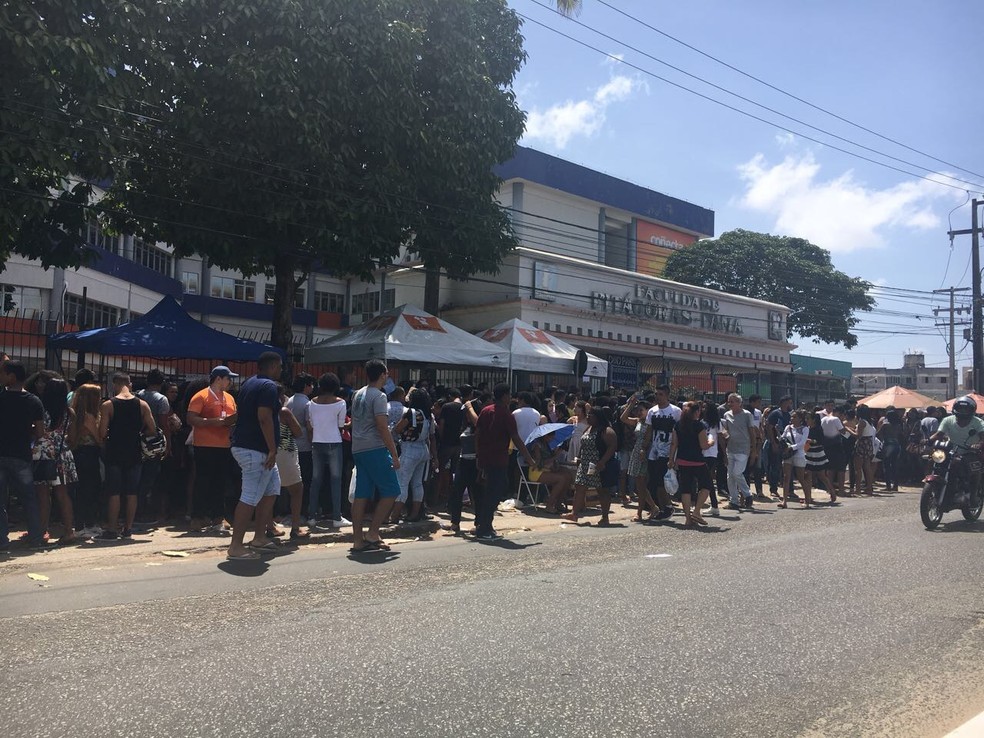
[
  {"x": 784, "y": 92},
  {"x": 977, "y": 187}
]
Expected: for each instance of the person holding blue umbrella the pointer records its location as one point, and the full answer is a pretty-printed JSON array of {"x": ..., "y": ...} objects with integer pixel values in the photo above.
[{"x": 545, "y": 445}]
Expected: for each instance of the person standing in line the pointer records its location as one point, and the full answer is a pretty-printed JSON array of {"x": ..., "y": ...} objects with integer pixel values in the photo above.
[
  {"x": 634, "y": 419},
  {"x": 254, "y": 443},
  {"x": 449, "y": 425},
  {"x": 150, "y": 469},
  {"x": 834, "y": 434},
  {"x": 864, "y": 452},
  {"x": 22, "y": 426},
  {"x": 121, "y": 421},
  {"x": 326, "y": 418},
  {"x": 688, "y": 442},
  {"x": 718, "y": 447},
  {"x": 211, "y": 413},
  {"x": 303, "y": 388},
  {"x": 418, "y": 450},
  {"x": 797, "y": 437},
  {"x": 775, "y": 424},
  {"x": 375, "y": 457},
  {"x": 754, "y": 473},
  {"x": 742, "y": 451},
  {"x": 289, "y": 466},
  {"x": 84, "y": 440},
  {"x": 55, "y": 448},
  {"x": 597, "y": 451},
  {"x": 661, "y": 419},
  {"x": 496, "y": 427},
  {"x": 467, "y": 473}
]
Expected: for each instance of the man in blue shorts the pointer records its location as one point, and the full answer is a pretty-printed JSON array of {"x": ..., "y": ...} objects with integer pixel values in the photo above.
[
  {"x": 375, "y": 456},
  {"x": 255, "y": 439}
]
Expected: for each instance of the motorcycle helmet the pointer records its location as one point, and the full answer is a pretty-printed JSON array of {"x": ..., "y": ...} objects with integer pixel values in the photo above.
[{"x": 964, "y": 407}]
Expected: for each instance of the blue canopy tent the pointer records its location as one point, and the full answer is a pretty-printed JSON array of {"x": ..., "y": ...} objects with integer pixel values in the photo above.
[{"x": 166, "y": 332}]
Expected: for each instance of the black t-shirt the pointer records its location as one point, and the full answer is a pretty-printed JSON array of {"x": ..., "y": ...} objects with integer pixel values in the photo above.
[
  {"x": 688, "y": 441},
  {"x": 19, "y": 411},
  {"x": 452, "y": 418}
]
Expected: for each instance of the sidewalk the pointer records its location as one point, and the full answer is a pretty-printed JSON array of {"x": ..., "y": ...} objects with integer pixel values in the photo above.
[{"x": 177, "y": 541}]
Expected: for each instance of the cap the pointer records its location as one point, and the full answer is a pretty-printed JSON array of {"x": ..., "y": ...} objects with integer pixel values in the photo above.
[{"x": 221, "y": 371}]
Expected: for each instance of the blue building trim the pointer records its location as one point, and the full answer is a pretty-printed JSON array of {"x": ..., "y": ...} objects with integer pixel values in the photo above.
[
  {"x": 550, "y": 171},
  {"x": 114, "y": 265},
  {"x": 243, "y": 310}
]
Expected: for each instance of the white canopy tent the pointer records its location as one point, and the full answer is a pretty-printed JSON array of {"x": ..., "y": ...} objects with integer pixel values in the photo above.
[
  {"x": 409, "y": 334},
  {"x": 533, "y": 350}
]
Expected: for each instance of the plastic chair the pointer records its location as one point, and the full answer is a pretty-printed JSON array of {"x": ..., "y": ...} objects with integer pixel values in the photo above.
[{"x": 531, "y": 489}]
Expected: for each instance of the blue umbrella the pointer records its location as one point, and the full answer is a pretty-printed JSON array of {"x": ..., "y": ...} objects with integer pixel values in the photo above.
[{"x": 561, "y": 431}]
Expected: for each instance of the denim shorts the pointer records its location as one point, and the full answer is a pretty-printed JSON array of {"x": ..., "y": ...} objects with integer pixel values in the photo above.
[
  {"x": 258, "y": 482},
  {"x": 374, "y": 470},
  {"x": 122, "y": 480}
]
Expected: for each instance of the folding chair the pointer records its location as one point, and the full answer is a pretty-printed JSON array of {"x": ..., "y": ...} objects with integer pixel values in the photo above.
[{"x": 531, "y": 489}]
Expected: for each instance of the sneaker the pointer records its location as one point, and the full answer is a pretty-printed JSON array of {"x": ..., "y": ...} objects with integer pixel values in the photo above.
[
  {"x": 733, "y": 506},
  {"x": 793, "y": 497},
  {"x": 108, "y": 535},
  {"x": 664, "y": 513},
  {"x": 747, "y": 503},
  {"x": 312, "y": 523},
  {"x": 489, "y": 536},
  {"x": 714, "y": 512},
  {"x": 126, "y": 534},
  {"x": 341, "y": 523}
]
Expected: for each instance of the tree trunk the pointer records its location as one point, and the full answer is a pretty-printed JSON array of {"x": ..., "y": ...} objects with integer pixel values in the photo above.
[
  {"x": 282, "y": 330},
  {"x": 432, "y": 290}
]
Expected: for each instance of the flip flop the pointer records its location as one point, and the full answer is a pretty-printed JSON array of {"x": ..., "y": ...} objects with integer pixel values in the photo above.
[
  {"x": 380, "y": 545},
  {"x": 248, "y": 556},
  {"x": 366, "y": 547},
  {"x": 268, "y": 546}
]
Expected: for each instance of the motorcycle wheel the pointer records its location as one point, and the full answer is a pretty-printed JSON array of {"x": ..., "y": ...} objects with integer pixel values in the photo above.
[
  {"x": 972, "y": 510},
  {"x": 929, "y": 510}
]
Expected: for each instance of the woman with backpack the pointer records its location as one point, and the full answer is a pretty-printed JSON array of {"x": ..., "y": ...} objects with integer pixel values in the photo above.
[{"x": 416, "y": 440}]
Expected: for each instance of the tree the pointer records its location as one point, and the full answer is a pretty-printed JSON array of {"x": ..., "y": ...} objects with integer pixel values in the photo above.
[
  {"x": 287, "y": 136},
  {"x": 65, "y": 73},
  {"x": 789, "y": 271},
  {"x": 569, "y": 7}
]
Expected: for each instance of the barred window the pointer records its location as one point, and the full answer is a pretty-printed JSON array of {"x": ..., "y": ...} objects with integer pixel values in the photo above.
[
  {"x": 231, "y": 288},
  {"x": 96, "y": 315},
  {"x": 329, "y": 302},
  {"x": 22, "y": 302},
  {"x": 189, "y": 280},
  {"x": 270, "y": 288},
  {"x": 152, "y": 257}
]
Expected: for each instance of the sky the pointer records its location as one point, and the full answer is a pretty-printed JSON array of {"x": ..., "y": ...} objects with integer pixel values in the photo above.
[{"x": 905, "y": 70}]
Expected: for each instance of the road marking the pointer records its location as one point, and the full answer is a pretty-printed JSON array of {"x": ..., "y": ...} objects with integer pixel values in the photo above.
[
  {"x": 659, "y": 556},
  {"x": 973, "y": 728}
]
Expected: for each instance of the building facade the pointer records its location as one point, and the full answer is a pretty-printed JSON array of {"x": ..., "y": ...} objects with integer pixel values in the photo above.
[{"x": 935, "y": 382}]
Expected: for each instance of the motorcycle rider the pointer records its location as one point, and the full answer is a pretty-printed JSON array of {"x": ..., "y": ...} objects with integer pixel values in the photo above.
[{"x": 963, "y": 429}]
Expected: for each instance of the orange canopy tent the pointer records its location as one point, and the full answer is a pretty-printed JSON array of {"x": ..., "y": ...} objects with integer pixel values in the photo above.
[
  {"x": 979, "y": 399},
  {"x": 897, "y": 397}
]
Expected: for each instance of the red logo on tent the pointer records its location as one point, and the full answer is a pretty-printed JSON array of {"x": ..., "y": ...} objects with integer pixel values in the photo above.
[
  {"x": 424, "y": 323},
  {"x": 494, "y": 335},
  {"x": 535, "y": 336}
]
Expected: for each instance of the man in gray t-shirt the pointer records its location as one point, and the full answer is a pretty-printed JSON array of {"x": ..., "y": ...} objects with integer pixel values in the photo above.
[
  {"x": 303, "y": 386},
  {"x": 376, "y": 460},
  {"x": 740, "y": 426},
  {"x": 150, "y": 469}
]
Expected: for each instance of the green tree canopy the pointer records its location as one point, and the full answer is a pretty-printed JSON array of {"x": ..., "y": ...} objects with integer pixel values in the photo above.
[
  {"x": 781, "y": 269},
  {"x": 277, "y": 136},
  {"x": 66, "y": 70}
]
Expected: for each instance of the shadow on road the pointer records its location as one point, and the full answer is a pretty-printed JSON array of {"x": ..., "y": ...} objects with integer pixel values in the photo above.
[
  {"x": 372, "y": 557},
  {"x": 507, "y": 544},
  {"x": 251, "y": 568},
  {"x": 961, "y": 526}
]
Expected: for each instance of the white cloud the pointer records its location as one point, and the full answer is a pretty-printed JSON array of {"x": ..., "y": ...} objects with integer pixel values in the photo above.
[
  {"x": 839, "y": 214},
  {"x": 560, "y": 123}
]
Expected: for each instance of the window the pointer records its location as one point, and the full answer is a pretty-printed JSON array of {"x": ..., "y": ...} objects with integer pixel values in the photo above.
[
  {"x": 230, "y": 288},
  {"x": 152, "y": 257},
  {"x": 537, "y": 325},
  {"x": 590, "y": 333},
  {"x": 943, "y": 380},
  {"x": 23, "y": 302},
  {"x": 609, "y": 335},
  {"x": 329, "y": 302},
  {"x": 189, "y": 280},
  {"x": 569, "y": 329},
  {"x": 619, "y": 336},
  {"x": 579, "y": 331},
  {"x": 97, "y": 315},
  {"x": 368, "y": 302},
  {"x": 299, "y": 296},
  {"x": 95, "y": 236}
]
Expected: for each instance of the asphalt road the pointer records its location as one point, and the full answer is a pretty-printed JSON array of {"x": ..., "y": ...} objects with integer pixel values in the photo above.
[{"x": 846, "y": 621}]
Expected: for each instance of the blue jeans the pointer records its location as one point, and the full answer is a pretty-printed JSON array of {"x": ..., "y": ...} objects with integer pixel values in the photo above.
[
  {"x": 326, "y": 455},
  {"x": 890, "y": 462},
  {"x": 413, "y": 466},
  {"x": 18, "y": 475}
]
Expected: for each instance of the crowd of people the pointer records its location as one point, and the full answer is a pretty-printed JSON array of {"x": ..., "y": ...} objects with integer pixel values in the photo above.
[{"x": 317, "y": 456}]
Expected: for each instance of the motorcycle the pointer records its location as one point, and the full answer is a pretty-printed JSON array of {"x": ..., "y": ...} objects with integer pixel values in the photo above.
[{"x": 955, "y": 483}]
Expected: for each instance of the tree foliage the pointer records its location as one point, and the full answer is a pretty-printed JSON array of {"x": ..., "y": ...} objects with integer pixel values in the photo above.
[
  {"x": 285, "y": 135},
  {"x": 781, "y": 269},
  {"x": 65, "y": 72}
]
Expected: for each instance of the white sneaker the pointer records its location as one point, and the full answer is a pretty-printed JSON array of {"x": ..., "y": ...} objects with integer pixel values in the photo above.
[
  {"x": 341, "y": 523},
  {"x": 713, "y": 512}
]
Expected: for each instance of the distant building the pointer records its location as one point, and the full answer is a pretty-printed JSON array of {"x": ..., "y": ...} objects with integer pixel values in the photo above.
[{"x": 935, "y": 382}]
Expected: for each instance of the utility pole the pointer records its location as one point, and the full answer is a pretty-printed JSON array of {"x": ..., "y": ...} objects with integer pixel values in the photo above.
[
  {"x": 977, "y": 329},
  {"x": 951, "y": 349}
]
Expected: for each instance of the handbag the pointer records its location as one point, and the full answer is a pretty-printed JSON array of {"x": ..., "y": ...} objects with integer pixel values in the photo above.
[
  {"x": 153, "y": 447},
  {"x": 786, "y": 447}
]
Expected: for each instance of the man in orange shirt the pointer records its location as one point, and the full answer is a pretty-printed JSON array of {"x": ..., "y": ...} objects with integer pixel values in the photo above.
[{"x": 211, "y": 414}]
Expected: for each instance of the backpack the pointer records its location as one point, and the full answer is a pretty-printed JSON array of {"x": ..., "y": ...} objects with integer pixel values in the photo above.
[{"x": 415, "y": 424}]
